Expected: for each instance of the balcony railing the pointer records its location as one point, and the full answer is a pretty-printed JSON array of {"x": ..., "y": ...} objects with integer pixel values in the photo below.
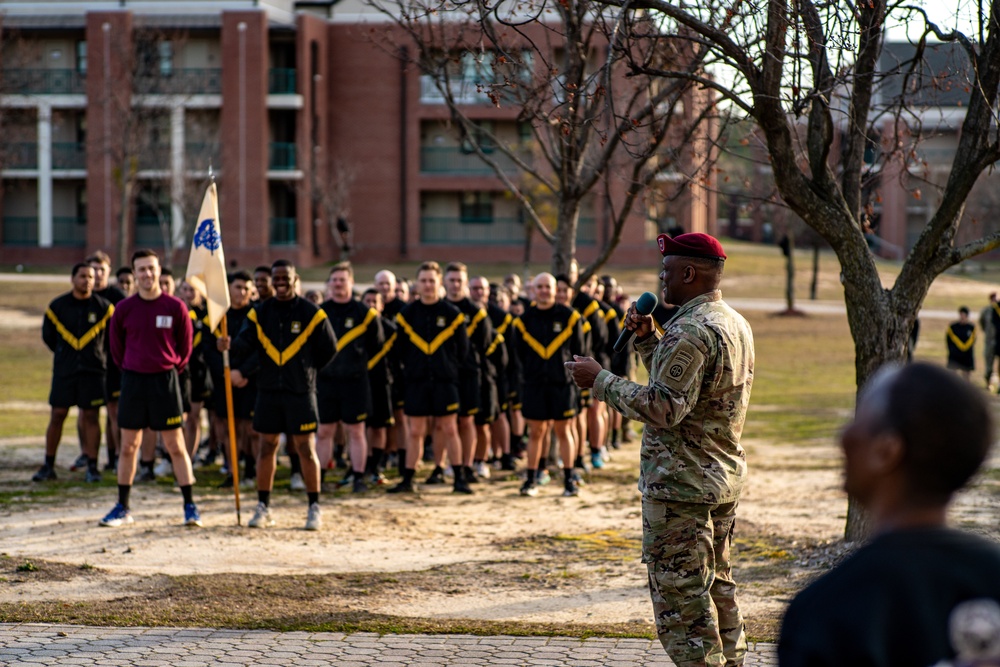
[
  {"x": 44, "y": 82},
  {"x": 69, "y": 155},
  {"x": 203, "y": 81},
  {"x": 282, "y": 156},
  {"x": 463, "y": 91},
  {"x": 488, "y": 231},
  {"x": 20, "y": 230},
  {"x": 281, "y": 81},
  {"x": 456, "y": 160},
  {"x": 69, "y": 231},
  {"x": 148, "y": 233},
  {"x": 283, "y": 231},
  {"x": 19, "y": 155}
]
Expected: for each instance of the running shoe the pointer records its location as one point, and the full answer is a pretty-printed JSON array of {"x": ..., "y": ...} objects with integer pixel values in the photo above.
[
  {"x": 79, "y": 464},
  {"x": 146, "y": 475},
  {"x": 470, "y": 475},
  {"x": 543, "y": 477},
  {"x": 437, "y": 477},
  {"x": 570, "y": 489},
  {"x": 596, "y": 460},
  {"x": 529, "y": 489},
  {"x": 118, "y": 516},
  {"x": 482, "y": 470},
  {"x": 93, "y": 475},
  {"x": 191, "y": 515},
  {"x": 507, "y": 463},
  {"x": 402, "y": 487},
  {"x": 313, "y": 518},
  {"x": 462, "y": 487},
  {"x": 261, "y": 517},
  {"x": 163, "y": 468},
  {"x": 227, "y": 483},
  {"x": 359, "y": 485},
  {"x": 376, "y": 479},
  {"x": 297, "y": 483},
  {"x": 44, "y": 474},
  {"x": 247, "y": 483},
  {"x": 111, "y": 466}
]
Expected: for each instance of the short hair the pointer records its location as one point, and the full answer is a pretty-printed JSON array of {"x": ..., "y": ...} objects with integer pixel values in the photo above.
[
  {"x": 964, "y": 310},
  {"x": 370, "y": 290},
  {"x": 342, "y": 266},
  {"x": 124, "y": 271},
  {"x": 77, "y": 267},
  {"x": 100, "y": 257},
  {"x": 429, "y": 266},
  {"x": 142, "y": 253},
  {"x": 945, "y": 425},
  {"x": 563, "y": 278},
  {"x": 278, "y": 263},
  {"x": 456, "y": 266},
  {"x": 166, "y": 271},
  {"x": 242, "y": 274},
  {"x": 263, "y": 269}
]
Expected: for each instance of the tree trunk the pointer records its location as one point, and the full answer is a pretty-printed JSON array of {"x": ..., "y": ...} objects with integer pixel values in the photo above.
[
  {"x": 790, "y": 273},
  {"x": 123, "y": 220},
  {"x": 815, "y": 278},
  {"x": 564, "y": 249}
]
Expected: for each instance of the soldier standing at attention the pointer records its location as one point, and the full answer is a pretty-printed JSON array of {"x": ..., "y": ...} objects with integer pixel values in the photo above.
[
  {"x": 151, "y": 339},
  {"x": 692, "y": 466},
  {"x": 74, "y": 329},
  {"x": 960, "y": 337},
  {"x": 989, "y": 338}
]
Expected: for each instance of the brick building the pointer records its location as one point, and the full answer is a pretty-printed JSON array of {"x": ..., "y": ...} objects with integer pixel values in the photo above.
[{"x": 299, "y": 109}]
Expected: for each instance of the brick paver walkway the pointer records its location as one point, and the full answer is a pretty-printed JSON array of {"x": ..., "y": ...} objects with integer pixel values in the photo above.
[{"x": 43, "y": 644}]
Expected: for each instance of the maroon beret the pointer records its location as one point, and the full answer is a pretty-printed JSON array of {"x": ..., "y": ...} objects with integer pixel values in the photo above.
[{"x": 691, "y": 245}]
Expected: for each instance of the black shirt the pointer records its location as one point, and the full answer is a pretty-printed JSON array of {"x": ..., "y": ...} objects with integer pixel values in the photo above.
[
  {"x": 76, "y": 331},
  {"x": 432, "y": 342},
  {"x": 543, "y": 340},
  {"x": 889, "y": 604},
  {"x": 961, "y": 336},
  {"x": 359, "y": 337}
]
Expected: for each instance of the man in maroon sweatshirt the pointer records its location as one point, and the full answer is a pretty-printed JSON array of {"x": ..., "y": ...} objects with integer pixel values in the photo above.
[{"x": 151, "y": 337}]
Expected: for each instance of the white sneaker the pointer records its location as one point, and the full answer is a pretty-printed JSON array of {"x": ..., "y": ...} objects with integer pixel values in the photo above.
[
  {"x": 261, "y": 517},
  {"x": 297, "y": 483},
  {"x": 163, "y": 468},
  {"x": 248, "y": 483},
  {"x": 313, "y": 519},
  {"x": 482, "y": 470}
]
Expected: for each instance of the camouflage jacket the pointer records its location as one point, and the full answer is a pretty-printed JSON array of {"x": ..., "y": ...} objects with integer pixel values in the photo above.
[{"x": 694, "y": 406}]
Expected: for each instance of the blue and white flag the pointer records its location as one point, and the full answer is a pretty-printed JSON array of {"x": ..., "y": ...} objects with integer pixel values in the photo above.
[{"x": 206, "y": 269}]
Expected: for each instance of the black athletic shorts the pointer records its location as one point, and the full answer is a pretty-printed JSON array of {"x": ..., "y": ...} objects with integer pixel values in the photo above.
[
  {"x": 283, "y": 412},
  {"x": 244, "y": 399},
  {"x": 469, "y": 393},
  {"x": 489, "y": 406},
  {"x": 586, "y": 400},
  {"x": 381, "y": 413},
  {"x": 548, "y": 401},
  {"x": 83, "y": 390},
  {"x": 503, "y": 395},
  {"x": 150, "y": 400},
  {"x": 430, "y": 399},
  {"x": 112, "y": 382},
  {"x": 348, "y": 401},
  {"x": 398, "y": 395},
  {"x": 514, "y": 401}
]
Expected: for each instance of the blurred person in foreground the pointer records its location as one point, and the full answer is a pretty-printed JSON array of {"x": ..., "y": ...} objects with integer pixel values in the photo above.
[{"x": 919, "y": 593}]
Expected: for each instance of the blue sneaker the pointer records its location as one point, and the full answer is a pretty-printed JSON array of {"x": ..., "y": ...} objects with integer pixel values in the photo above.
[
  {"x": 191, "y": 516},
  {"x": 596, "y": 460},
  {"x": 118, "y": 516}
]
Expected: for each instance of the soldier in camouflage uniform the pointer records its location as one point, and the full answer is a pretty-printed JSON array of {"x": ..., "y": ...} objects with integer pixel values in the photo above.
[{"x": 692, "y": 464}]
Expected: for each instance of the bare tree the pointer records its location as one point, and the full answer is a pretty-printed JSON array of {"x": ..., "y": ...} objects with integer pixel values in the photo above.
[
  {"x": 330, "y": 183},
  {"x": 807, "y": 74},
  {"x": 600, "y": 133}
]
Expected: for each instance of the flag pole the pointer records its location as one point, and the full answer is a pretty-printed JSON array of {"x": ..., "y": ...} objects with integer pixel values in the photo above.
[{"x": 234, "y": 462}]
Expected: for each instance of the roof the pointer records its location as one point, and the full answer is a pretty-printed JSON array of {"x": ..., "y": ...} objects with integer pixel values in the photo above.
[{"x": 941, "y": 79}]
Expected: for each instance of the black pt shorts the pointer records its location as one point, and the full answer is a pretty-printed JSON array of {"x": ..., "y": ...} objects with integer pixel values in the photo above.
[
  {"x": 548, "y": 401},
  {"x": 343, "y": 400},
  {"x": 150, "y": 400},
  {"x": 430, "y": 399},
  {"x": 282, "y": 412},
  {"x": 85, "y": 391}
]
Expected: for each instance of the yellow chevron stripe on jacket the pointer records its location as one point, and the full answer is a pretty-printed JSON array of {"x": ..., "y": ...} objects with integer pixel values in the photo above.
[
  {"x": 557, "y": 342},
  {"x": 352, "y": 334},
  {"x": 963, "y": 346},
  {"x": 493, "y": 346},
  {"x": 507, "y": 319},
  {"x": 197, "y": 336},
  {"x": 476, "y": 319},
  {"x": 381, "y": 353},
  {"x": 610, "y": 315},
  {"x": 589, "y": 310},
  {"x": 84, "y": 340},
  {"x": 439, "y": 340},
  {"x": 286, "y": 355}
]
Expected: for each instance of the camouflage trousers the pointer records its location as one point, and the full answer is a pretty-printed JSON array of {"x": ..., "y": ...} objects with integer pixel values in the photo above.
[{"x": 686, "y": 548}]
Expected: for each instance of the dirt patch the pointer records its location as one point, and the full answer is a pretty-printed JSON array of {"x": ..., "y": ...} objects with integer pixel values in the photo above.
[{"x": 433, "y": 562}]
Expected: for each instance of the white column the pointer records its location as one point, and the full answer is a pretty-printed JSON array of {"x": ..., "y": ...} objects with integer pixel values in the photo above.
[
  {"x": 177, "y": 175},
  {"x": 45, "y": 175}
]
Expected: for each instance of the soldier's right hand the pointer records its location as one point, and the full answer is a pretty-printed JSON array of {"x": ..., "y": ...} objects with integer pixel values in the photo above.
[
  {"x": 642, "y": 325},
  {"x": 222, "y": 343},
  {"x": 237, "y": 379}
]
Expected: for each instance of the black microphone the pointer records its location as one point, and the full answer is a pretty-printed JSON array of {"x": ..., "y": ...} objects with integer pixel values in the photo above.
[{"x": 644, "y": 305}]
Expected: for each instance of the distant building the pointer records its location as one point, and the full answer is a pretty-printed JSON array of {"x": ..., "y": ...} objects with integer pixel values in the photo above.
[{"x": 303, "y": 117}]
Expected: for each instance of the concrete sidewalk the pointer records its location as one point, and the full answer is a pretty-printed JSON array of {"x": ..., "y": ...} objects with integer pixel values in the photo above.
[{"x": 43, "y": 644}]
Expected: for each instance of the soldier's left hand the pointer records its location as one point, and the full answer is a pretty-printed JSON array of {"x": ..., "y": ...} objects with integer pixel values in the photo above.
[{"x": 584, "y": 370}]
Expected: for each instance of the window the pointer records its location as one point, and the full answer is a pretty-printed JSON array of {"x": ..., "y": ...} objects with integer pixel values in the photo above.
[
  {"x": 81, "y": 57},
  {"x": 481, "y": 136},
  {"x": 166, "y": 58},
  {"x": 476, "y": 207}
]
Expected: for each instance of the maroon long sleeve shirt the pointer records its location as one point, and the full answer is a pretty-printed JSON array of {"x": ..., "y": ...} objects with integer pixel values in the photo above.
[{"x": 151, "y": 336}]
